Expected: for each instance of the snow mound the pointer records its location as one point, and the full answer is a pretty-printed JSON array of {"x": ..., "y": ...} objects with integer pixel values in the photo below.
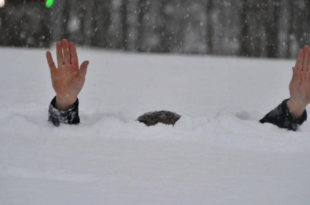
[{"x": 217, "y": 153}]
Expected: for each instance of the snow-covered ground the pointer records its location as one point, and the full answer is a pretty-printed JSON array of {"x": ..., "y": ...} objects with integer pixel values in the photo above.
[{"x": 217, "y": 153}]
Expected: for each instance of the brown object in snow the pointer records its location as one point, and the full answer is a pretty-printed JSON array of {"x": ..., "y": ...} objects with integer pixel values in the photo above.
[{"x": 165, "y": 117}]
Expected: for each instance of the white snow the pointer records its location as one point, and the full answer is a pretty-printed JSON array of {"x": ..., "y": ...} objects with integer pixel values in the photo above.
[{"x": 218, "y": 153}]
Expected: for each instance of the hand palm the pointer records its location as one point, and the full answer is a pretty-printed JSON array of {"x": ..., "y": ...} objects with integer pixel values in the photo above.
[
  {"x": 68, "y": 78},
  {"x": 300, "y": 83}
]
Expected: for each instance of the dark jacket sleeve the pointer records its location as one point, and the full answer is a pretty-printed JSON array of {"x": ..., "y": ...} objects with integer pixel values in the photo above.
[
  {"x": 282, "y": 117},
  {"x": 70, "y": 116}
]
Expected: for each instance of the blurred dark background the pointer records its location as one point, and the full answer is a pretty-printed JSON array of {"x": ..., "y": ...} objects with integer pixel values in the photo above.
[{"x": 254, "y": 28}]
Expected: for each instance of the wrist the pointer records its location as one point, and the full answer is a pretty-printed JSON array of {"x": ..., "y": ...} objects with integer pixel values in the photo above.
[
  {"x": 296, "y": 108},
  {"x": 65, "y": 102}
]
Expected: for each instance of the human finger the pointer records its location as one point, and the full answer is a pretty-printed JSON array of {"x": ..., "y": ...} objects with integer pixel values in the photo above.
[
  {"x": 299, "y": 60},
  {"x": 59, "y": 54},
  {"x": 50, "y": 61},
  {"x": 66, "y": 51},
  {"x": 83, "y": 69},
  {"x": 305, "y": 59},
  {"x": 294, "y": 73},
  {"x": 304, "y": 76},
  {"x": 74, "y": 56},
  {"x": 308, "y": 67}
]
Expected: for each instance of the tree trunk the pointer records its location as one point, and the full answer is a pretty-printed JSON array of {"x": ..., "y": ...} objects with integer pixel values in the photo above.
[
  {"x": 142, "y": 4},
  {"x": 164, "y": 35},
  {"x": 290, "y": 8},
  {"x": 272, "y": 29},
  {"x": 101, "y": 22},
  {"x": 124, "y": 20},
  {"x": 3, "y": 28},
  {"x": 306, "y": 21},
  {"x": 66, "y": 18},
  {"x": 46, "y": 29},
  {"x": 244, "y": 36},
  {"x": 81, "y": 15},
  {"x": 209, "y": 27}
]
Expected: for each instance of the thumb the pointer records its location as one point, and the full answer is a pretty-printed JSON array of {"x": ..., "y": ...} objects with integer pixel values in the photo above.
[{"x": 83, "y": 68}]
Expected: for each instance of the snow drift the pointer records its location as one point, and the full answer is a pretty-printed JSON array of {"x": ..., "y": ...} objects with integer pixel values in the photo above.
[{"x": 218, "y": 153}]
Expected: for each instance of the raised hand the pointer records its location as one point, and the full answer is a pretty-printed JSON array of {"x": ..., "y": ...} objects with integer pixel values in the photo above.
[
  {"x": 68, "y": 78},
  {"x": 300, "y": 84}
]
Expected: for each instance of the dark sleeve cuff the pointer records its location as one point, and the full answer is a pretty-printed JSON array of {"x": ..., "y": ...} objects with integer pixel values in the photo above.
[
  {"x": 70, "y": 116},
  {"x": 282, "y": 117}
]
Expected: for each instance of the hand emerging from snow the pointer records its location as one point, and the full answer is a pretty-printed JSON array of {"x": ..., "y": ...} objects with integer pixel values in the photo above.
[
  {"x": 300, "y": 84},
  {"x": 68, "y": 78}
]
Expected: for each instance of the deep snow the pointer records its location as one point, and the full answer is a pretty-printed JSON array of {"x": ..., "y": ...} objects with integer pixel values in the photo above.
[{"x": 217, "y": 153}]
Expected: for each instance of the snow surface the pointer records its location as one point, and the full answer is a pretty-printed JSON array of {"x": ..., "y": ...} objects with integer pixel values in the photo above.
[{"x": 217, "y": 153}]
